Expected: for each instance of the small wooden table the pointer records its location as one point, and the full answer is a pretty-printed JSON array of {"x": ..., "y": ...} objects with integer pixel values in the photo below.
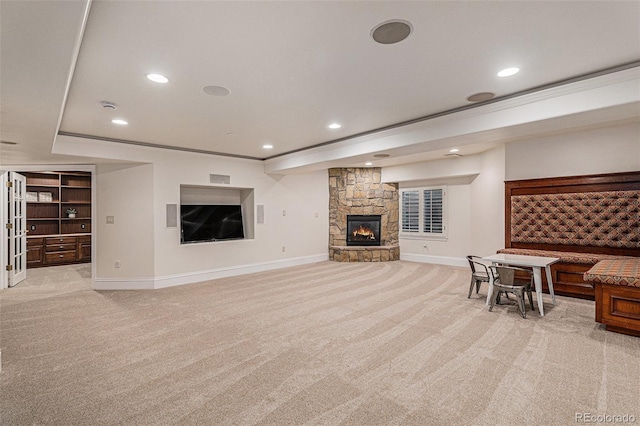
[{"x": 534, "y": 262}]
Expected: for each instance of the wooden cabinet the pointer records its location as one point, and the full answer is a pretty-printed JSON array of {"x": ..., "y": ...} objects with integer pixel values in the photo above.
[
  {"x": 35, "y": 252},
  {"x": 58, "y": 218},
  {"x": 58, "y": 250}
]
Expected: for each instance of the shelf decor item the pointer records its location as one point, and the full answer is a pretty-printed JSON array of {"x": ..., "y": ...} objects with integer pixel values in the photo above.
[
  {"x": 71, "y": 213},
  {"x": 31, "y": 197},
  {"x": 45, "y": 197}
]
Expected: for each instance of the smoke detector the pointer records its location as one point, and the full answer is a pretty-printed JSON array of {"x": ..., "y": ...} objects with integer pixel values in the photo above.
[{"x": 109, "y": 105}]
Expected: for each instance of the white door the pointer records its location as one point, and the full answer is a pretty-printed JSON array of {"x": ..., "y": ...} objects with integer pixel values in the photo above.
[{"x": 17, "y": 229}]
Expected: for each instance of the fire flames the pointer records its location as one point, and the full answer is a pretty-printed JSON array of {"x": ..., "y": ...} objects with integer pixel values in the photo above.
[{"x": 363, "y": 233}]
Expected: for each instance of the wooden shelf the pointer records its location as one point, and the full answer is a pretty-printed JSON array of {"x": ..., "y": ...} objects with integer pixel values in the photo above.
[
  {"x": 42, "y": 186},
  {"x": 47, "y": 221}
]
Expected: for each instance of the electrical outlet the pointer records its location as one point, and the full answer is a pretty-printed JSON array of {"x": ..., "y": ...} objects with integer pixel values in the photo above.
[
  {"x": 317, "y": 214},
  {"x": 110, "y": 220},
  {"x": 284, "y": 249},
  {"x": 284, "y": 212},
  {"x": 117, "y": 264}
]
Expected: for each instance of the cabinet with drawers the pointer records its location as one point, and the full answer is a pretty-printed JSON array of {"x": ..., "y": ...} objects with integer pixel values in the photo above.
[{"x": 58, "y": 250}]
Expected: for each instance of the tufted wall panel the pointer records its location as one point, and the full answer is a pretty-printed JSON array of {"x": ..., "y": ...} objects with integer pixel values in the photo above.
[{"x": 601, "y": 219}]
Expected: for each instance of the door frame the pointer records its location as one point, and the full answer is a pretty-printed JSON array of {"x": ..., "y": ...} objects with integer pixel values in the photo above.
[
  {"x": 48, "y": 168},
  {"x": 4, "y": 234}
]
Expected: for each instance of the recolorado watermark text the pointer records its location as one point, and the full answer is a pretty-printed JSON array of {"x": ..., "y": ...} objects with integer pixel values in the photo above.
[{"x": 605, "y": 418}]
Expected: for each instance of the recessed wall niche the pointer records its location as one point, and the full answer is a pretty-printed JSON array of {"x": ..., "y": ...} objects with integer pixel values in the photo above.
[{"x": 210, "y": 195}]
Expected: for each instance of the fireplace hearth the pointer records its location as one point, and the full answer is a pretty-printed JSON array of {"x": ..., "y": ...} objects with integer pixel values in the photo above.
[{"x": 363, "y": 230}]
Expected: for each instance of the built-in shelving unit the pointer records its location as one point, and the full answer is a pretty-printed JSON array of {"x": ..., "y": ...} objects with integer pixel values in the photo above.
[{"x": 54, "y": 235}]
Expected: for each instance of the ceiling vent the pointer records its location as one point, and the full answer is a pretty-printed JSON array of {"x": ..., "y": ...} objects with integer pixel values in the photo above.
[
  {"x": 109, "y": 105},
  {"x": 481, "y": 97},
  {"x": 219, "y": 179},
  {"x": 453, "y": 155}
]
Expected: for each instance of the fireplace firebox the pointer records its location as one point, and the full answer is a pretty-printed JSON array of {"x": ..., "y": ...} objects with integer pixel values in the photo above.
[{"x": 363, "y": 230}]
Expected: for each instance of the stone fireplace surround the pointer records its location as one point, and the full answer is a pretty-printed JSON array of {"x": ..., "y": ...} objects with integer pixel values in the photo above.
[{"x": 359, "y": 191}]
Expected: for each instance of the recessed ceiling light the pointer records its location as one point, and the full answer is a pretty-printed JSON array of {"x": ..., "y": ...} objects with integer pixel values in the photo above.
[
  {"x": 267, "y": 146},
  {"x": 454, "y": 150},
  {"x": 368, "y": 163},
  {"x": 157, "y": 78},
  {"x": 481, "y": 97},
  {"x": 507, "y": 72},
  {"x": 391, "y": 32},
  {"x": 216, "y": 90},
  {"x": 119, "y": 121},
  {"x": 335, "y": 126}
]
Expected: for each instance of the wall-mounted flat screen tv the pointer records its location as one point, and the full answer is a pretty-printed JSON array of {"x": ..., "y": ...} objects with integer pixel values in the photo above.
[{"x": 199, "y": 223}]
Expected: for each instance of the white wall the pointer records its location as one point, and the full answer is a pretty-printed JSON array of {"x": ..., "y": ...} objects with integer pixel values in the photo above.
[
  {"x": 607, "y": 150},
  {"x": 299, "y": 231},
  {"x": 475, "y": 206},
  {"x": 487, "y": 204},
  {"x": 126, "y": 193},
  {"x": 459, "y": 229},
  {"x": 151, "y": 254}
]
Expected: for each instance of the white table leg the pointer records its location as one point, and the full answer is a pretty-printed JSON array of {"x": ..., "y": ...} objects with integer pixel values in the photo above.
[
  {"x": 537, "y": 279},
  {"x": 550, "y": 284}
]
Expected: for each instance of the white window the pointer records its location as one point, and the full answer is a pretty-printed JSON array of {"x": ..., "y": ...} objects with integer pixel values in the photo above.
[{"x": 423, "y": 212}]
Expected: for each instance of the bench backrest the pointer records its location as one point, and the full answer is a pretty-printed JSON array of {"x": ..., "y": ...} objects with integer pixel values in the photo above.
[{"x": 595, "y": 214}]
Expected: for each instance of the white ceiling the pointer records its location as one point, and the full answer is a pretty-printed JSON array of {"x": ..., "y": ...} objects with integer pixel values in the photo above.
[{"x": 292, "y": 68}]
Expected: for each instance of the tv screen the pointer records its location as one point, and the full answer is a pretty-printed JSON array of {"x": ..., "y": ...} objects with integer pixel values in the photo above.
[{"x": 210, "y": 223}]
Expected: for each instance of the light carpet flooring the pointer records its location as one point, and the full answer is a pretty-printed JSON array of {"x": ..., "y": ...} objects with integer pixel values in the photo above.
[{"x": 394, "y": 343}]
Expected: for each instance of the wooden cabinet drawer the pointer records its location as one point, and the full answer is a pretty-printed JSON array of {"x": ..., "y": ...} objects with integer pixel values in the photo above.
[
  {"x": 60, "y": 247},
  {"x": 35, "y": 242},
  {"x": 61, "y": 256},
  {"x": 84, "y": 239},
  {"x": 60, "y": 240}
]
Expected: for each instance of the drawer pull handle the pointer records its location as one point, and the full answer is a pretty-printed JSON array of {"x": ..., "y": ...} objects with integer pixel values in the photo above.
[
  {"x": 61, "y": 247},
  {"x": 61, "y": 256}
]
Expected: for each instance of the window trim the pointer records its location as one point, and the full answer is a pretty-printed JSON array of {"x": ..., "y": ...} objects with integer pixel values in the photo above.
[{"x": 421, "y": 235}]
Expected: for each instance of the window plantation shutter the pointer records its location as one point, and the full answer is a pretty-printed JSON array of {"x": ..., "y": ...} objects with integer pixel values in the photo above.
[
  {"x": 433, "y": 211},
  {"x": 411, "y": 211}
]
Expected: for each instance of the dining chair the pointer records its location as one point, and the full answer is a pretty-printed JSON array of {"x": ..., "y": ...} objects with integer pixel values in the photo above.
[
  {"x": 506, "y": 281},
  {"x": 479, "y": 273}
]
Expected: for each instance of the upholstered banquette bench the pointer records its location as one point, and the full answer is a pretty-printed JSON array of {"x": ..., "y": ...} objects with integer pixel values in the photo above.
[
  {"x": 617, "y": 285},
  {"x": 581, "y": 220}
]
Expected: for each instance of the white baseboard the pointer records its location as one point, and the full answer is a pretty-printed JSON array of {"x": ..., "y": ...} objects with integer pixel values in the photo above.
[
  {"x": 123, "y": 284},
  {"x": 199, "y": 276},
  {"x": 438, "y": 260}
]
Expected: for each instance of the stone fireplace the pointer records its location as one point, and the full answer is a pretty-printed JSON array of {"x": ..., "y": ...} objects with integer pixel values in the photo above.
[{"x": 357, "y": 197}]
